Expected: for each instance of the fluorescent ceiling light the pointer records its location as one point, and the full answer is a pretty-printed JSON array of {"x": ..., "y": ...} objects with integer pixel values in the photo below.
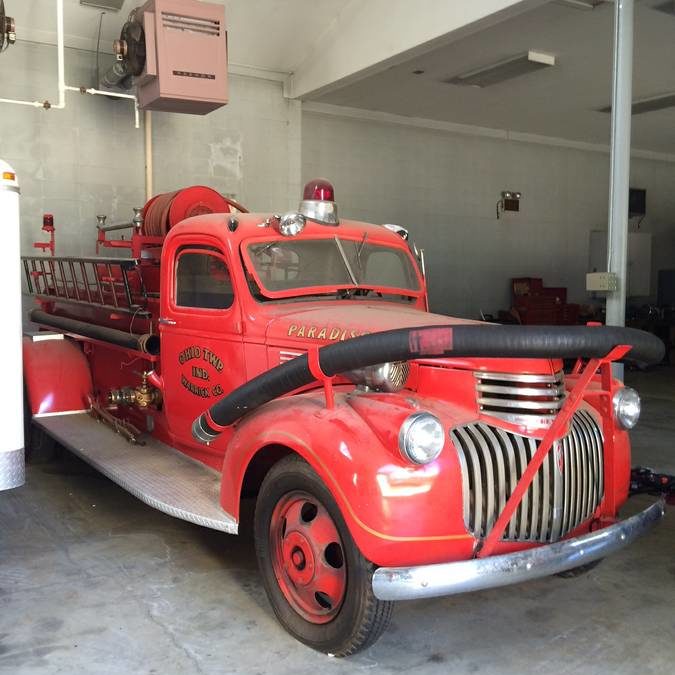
[
  {"x": 581, "y": 4},
  {"x": 646, "y": 105},
  {"x": 111, "y": 5},
  {"x": 495, "y": 73},
  {"x": 668, "y": 7}
]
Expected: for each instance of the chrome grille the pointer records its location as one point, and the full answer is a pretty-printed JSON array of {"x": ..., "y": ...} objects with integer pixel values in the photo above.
[
  {"x": 493, "y": 460},
  {"x": 519, "y": 398}
]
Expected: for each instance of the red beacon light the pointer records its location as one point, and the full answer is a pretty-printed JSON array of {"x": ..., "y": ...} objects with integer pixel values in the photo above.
[
  {"x": 48, "y": 222},
  {"x": 319, "y": 189},
  {"x": 47, "y": 226},
  {"x": 318, "y": 202}
]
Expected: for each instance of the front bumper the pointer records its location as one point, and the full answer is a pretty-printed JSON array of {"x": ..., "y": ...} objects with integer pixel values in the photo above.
[{"x": 428, "y": 581}]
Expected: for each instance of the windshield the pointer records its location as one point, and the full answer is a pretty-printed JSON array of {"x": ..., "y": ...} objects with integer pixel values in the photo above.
[{"x": 292, "y": 264}]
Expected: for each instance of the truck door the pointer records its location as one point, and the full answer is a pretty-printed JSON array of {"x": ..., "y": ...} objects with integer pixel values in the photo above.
[{"x": 200, "y": 329}]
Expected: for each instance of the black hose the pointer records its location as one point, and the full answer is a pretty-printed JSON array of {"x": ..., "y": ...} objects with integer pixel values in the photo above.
[
  {"x": 140, "y": 343},
  {"x": 402, "y": 344}
]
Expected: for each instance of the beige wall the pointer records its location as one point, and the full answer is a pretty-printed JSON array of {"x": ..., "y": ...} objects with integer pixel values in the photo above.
[
  {"x": 89, "y": 158},
  {"x": 443, "y": 186}
]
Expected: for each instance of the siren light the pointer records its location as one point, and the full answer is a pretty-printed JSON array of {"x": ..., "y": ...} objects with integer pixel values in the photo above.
[{"x": 318, "y": 202}]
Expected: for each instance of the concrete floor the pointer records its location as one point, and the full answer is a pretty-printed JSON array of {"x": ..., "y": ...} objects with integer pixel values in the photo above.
[{"x": 93, "y": 581}]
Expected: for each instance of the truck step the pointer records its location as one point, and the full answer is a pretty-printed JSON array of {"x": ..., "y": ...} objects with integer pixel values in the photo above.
[{"x": 157, "y": 474}]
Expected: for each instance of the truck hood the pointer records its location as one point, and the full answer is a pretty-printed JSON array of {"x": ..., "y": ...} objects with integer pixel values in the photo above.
[
  {"x": 333, "y": 323},
  {"x": 292, "y": 330}
]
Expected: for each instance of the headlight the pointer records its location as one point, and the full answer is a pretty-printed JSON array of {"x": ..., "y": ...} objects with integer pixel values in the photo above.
[
  {"x": 291, "y": 224},
  {"x": 421, "y": 438},
  {"x": 388, "y": 377},
  {"x": 626, "y": 407}
]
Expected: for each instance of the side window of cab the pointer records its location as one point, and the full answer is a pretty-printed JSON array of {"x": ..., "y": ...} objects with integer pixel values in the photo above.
[{"x": 202, "y": 279}]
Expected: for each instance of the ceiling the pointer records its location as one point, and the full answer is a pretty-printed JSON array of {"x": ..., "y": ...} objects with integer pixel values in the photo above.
[
  {"x": 560, "y": 101},
  {"x": 274, "y": 35}
]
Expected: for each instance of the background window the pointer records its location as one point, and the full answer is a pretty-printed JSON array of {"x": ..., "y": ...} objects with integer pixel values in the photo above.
[{"x": 203, "y": 280}]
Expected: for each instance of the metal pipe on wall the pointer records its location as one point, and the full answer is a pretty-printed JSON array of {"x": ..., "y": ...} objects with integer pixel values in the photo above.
[
  {"x": 617, "y": 231},
  {"x": 60, "y": 69},
  {"x": 147, "y": 123},
  {"x": 61, "y": 77},
  {"x": 61, "y": 55},
  {"x": 35, "y": 104}
]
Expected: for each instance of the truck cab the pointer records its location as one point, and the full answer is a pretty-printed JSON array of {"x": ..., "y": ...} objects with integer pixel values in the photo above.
[{"x": 238, "y": 297}]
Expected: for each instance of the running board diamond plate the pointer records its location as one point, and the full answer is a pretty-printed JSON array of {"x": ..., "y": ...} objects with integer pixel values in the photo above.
[{"x": 157, "y": 474}]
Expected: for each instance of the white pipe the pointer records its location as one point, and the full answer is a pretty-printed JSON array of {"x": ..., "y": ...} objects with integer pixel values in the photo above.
[
  {"x": 61, "y": 77},
  {"x": 61, "y": 56},
  {"x": 61, "y": 68},
  {"x": 35, "y": 104},
  {"x": 112, "y": 94},
  {"x": 12, "y": 472},
  {"x": 99, "y": 92},
  {"x": 147, "y": 122}
]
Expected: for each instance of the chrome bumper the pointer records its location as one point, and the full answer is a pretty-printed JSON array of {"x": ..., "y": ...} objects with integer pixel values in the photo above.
[{"x": 428, "y": 581}]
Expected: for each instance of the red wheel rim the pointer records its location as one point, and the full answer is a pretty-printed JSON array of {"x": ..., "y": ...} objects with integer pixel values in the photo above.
[{"x": 308, "y": 557}]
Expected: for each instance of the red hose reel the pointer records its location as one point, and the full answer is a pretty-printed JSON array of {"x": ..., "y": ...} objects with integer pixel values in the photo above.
[{"x": 165, "y": 210}]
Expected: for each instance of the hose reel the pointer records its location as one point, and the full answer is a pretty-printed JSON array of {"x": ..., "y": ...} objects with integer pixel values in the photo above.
[{"x": 165, "y": 210}]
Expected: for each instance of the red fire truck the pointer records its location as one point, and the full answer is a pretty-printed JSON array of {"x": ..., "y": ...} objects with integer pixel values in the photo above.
[{"x": 393, "y": 453}]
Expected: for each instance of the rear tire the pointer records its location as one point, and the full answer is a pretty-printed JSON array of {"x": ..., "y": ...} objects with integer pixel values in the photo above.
[{"x": 317, "y": 581}]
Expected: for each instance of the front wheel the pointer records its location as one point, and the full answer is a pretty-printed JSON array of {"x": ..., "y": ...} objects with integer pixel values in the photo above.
[{"x": 319, "y": 584}]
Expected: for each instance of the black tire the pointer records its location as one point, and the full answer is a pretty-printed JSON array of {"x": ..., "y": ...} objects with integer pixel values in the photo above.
[
  {"x": 579, "y": 571},
  {"x": 360, "y": 618},
  {"x": 40, "y": 447}
]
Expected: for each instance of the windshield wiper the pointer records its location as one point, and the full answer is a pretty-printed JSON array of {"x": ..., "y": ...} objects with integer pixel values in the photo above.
[
  {"x": 359, "y": 248},
  {"x": 264, "y": 249},
  {"x": 350, "y": 271}
]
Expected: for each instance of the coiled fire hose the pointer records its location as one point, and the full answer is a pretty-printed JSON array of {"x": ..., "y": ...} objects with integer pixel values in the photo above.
[
  {"x": 165, "y": 210},
  {"x": 402, "y": 344}
]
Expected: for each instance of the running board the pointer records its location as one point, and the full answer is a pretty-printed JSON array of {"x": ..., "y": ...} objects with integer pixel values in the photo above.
[{"x": 157, "y": 474}]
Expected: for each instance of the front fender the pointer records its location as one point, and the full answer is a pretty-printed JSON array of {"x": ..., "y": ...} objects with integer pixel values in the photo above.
[{"x": 394, "y": 510}]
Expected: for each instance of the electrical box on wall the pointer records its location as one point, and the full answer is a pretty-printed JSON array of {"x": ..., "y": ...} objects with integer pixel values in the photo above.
[
  {"x": 602, "y": 282},
  {"x": 639, "y": 263},
  {"x": 637, "y": 202},
  {"x": 176, "y": 51}
]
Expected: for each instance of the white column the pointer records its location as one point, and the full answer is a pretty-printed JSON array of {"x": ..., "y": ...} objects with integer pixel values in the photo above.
[
  {"x": 12, "y": 472},
  {"x": 622, "y": 91}
]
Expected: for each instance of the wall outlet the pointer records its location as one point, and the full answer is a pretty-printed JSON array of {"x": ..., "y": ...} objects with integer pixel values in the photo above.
[{"x": 602, "y": 281}]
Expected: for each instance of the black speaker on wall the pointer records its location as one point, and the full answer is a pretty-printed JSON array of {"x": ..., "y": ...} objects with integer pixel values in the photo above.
[{"x": 637, "y": 202}]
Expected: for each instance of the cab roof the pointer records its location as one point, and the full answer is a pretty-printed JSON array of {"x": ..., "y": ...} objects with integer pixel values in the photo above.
[{"x": 237, "y": 227}]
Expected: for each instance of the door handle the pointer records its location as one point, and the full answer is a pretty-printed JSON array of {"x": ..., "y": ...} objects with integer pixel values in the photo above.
[{"x": 166, "y": 322}]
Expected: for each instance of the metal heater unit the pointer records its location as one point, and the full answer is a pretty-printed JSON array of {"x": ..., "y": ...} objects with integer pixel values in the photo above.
[{"x": 177, "y": 52}]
